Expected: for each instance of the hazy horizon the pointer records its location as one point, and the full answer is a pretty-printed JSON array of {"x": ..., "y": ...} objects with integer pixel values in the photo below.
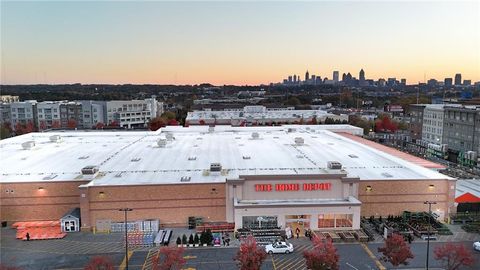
[{"x": 236, "y": 43}]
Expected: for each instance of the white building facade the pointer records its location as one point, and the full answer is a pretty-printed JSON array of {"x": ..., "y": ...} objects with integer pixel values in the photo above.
[
  {"x": 48, "y": 114},
  {"x": 133, "y": 113},
  {"x": 432, "y": 130}
]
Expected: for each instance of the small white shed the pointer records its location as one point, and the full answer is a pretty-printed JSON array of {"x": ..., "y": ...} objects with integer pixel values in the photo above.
[{"x": 70, "y": 222}]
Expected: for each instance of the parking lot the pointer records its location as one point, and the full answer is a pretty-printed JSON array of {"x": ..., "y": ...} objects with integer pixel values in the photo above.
[{"x": 75, "y": 251}]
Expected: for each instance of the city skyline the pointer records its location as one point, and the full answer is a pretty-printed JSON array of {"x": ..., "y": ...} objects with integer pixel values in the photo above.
[{"x": 192, "y": 43}]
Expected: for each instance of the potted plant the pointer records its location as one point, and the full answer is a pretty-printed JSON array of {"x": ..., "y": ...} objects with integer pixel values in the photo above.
[
  {"x": 184, "y": 240},
  {"x": 196, "y": 240},
  {"x": 209, "y": 237},
  {"x": 203, "y": 239},
  {"x": 190, "y": 241},
  {"x": 179, "y": 242}
]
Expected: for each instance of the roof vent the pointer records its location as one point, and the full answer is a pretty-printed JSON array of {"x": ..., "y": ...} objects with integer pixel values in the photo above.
[
  {"x": 211, "y": 129},
  {"x": 185, "y": 179},
  {"x": 192, "y": 158},
  {"x": 89, "y": 170},
  {"x": 162, "y": 143},
  {"x": 334, "y": 165},
  {"x": 215, "y": 167},
  {"x": 353, "y": 156},
  {"x": 28, "y": 145},
  {"x": 246, "y": 157},
  {"x": 83, "y": 157},
  {"x": 299, "y": 141},
  {"x": 255, "y": 135},
  {"x": 169, "y": 136},
  {"x": 55, "y": 138},
  {"x": 385, "y": 174},
  {"x": 291, "y": 130},
  {"x": 135, "y": 159}
]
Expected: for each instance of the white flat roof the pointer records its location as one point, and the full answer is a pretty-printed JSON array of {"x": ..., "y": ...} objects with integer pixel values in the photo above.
[
  {"x": 268, "y": 114},
  {"x": 131, "y": 158}
]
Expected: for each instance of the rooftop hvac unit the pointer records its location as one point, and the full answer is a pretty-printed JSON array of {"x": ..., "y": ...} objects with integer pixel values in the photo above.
[
  {"x": 89, "y": 170},
  {"x": 215, "y": 167},
  {"x": 334, "y": 165},
  {"x": 291, "y": 130},
  {"x": 28, "y": 145},
  {"x": 169, "y": 136},
  {"x": 211, "y": 129},
  {"x": 299, "y": 141},
  {"x": 185, "y": 179},
  {"x": 162, "y": 143},
  {"x": 55, "y": 138},
  {"x": 255, "y": 135}
]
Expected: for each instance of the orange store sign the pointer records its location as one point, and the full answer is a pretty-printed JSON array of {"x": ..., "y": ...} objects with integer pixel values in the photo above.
[{"x": 293, "y": 187}]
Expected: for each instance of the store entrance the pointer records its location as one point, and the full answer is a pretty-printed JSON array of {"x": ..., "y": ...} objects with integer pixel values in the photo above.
[{"x": 300, "y": 222}]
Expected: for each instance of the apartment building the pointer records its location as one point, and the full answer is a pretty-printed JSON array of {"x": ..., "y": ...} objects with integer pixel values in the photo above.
[
  {"x": 93, "y": 113},
  {"x": 48, "y": 115},
  {"x": 416, "y": 120},
  {"x": 461, "y": 128},
  {"x": 432, "y": 127},
  {"x": 132, "y": 113}
]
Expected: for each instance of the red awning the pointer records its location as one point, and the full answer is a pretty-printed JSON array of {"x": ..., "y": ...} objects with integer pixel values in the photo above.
[{"x": 467, "y": 198}]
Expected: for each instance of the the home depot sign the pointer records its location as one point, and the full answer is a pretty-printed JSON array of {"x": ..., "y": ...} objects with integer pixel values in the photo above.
[{"x": 293, "y": 187}]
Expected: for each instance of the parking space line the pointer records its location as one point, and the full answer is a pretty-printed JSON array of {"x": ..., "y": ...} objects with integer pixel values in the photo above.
[
  {"x": 373, "y": 257},
  {"x": 124, "y": 262},
  {"x": 273, "y": 263},
  {"x": 299, "y": 262}
]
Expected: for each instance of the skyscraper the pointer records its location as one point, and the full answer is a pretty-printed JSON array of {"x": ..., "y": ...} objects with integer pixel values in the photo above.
[
  {"x": 361, "y": 75},
  {"x": 335, "y": 76},
  {"x": 294, "y": 78},
  {"x": 458, "y": 79},
  {"x": 447, "y": 82},
  {"x": 307, "y": 76},
  {"x": 344, "y": 77}
]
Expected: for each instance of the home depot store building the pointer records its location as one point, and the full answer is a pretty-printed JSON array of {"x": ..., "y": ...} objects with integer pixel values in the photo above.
[{"x": 279, "y": 174}]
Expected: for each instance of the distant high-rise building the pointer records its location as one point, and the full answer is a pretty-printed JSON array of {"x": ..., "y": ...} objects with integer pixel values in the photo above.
[
  {"x": 294, "y": 78},
  {"x": 335, "y": 76},
  {"x": 307, "y": 76},
  {"x": 313, "y": 77},
  {"x": 381, "y": 82},
  {"x": 361, "y": 75},
  {"x": 432, "y": 82},
  {"x": 318, "y": 80},
  {"x": 467, "y": 82},
  {"x": 290, "y": 79},
  {"x": 448, "y": 82},
  {"x": 458, "y": 79},
  {"x": 344, "y": 77},
  {"x": 403, "y": 82}
]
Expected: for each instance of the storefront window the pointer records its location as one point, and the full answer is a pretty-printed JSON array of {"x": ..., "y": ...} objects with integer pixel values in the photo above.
[
  {"x": 343, "y": 220},
  {"x": 326, "y": 221},
  {"x": 335, "y": 221},
  {"x": 255, "y": 222}
]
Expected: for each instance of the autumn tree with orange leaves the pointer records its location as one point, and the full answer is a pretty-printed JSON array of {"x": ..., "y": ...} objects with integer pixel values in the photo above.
[
  {"x": 250, "y": 256},
  {"x": 453, "y": 256},
  {"x": 396, "y": 251},
  {"x": 169, "y": 258},
  {"x": 323, "y": 256},
  {"x": 100, "y": 263}
]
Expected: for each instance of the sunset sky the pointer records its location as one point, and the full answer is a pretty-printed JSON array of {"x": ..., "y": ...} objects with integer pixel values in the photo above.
[{"x": 235, "y": 42}]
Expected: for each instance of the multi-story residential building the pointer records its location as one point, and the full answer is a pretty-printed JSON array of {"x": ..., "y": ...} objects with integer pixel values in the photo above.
[
  {"x": 71, "y": 115},
  {"x": 8, "y": 99},
  {"x": 416, "y": 120},
  {"x": 48, "y": 115},
  {"x": 23, "y": 112},
  {"x": 461, "y": 128},
  {"x": 133, "y": 113},
  {"x": 432, "y": 128},
  {"x": 5, "y": 113},
  {"x": 93, "y": 113}
]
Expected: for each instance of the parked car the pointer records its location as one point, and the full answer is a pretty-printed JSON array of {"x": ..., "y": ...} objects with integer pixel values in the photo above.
[
  {"x": 476, "y": 246},
  {"x": 279, "y": 247}
]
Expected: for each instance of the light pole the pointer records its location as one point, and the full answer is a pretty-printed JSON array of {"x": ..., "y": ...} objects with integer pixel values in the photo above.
[
  {"x": 125, "y": 210},
  {"x": 428, "y": 228}
]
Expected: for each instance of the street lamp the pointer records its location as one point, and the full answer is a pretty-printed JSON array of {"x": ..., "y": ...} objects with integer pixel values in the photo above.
[
  {"x": 428, "y": 228},
  {"x": 125, "y": 210}
]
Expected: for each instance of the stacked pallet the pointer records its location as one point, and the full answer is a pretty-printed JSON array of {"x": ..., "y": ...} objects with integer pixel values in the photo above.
[{"x": 39, "y": 230}]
